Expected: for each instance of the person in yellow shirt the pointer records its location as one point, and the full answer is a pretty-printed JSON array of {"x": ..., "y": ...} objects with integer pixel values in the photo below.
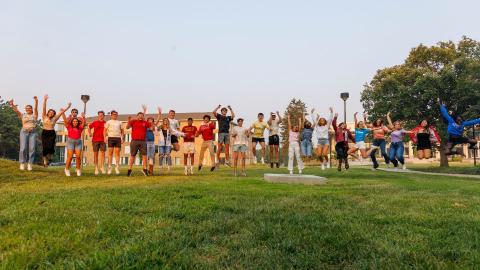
[{"x": 258, "y": 129}]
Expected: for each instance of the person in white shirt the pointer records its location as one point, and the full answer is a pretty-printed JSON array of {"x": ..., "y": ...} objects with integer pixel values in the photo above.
[
  {"x": 274, "y": 138},
  {"x": 294, "y": 132},
  {"x": 175, "y": 126},
  {"x": 321, "y": 129},
  {"x": 240, "y": 136},
  {"x": 114, "y": 133}
]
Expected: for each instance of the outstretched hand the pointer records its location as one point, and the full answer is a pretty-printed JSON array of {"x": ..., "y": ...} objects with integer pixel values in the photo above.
[
  {"x": 35, "y": 98},
  {"x": 331, "y": 109},
  {"x": 336, "y": 115},
  {"x": 45, "y": 98}
]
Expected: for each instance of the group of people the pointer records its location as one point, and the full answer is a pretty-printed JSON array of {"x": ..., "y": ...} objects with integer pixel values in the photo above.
[{"x": 144, "y": 130}]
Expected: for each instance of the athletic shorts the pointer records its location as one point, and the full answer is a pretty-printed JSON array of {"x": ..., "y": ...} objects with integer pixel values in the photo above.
[
  {"x": 274, "y": 140},
  {"x": 360, "y": 145},
  {"x": 174, "y": 139},
  {"x": 114, "y": 142},
  {"x": 323, "y": 141},
  {"x": 74, "y": 144},
  {"x": 138, "y": 146},
  {"x": 224, "y": 138},
  {"x": 188, "y": 148},
  {"x": 241, "y": 148},
  {"x": 458, "y": 140},
  {"x": 164, "y": 150},
  {"x": 258, "y": 140},
  {"x": 99, "y": 146}
]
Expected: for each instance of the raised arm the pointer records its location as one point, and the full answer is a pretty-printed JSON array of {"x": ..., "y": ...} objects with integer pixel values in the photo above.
[
  {"x": 390, "y": 124},
  {"x": 279, "y": 117},
  {"x": 444, "y": 112},
  {"x": 330, "y": 117},
  {"x": 128, "y": 123},
  {"x": 159, "y": 117},
  {"x": 15, "y": 109},
  {"x": 62, "y": 112},
  {"x": 144, "y": 108},
  {"x": 472, "y": 122},
  {"x": 355, "y": 118},
  {"x": 215, "y": 111},
  {"x": 301, "y": 122},
  {"x": 35, "y": 106},
  {"x": 231, "y": 112},
  {"x": 334, "y": 122},
  {"x": 312, "y": 118},
  {"x": 289, "y": 122},
  {"x": 44, "y": 108}
]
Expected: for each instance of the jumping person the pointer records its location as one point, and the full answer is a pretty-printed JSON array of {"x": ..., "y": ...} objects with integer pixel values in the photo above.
[
  {"x": 113, "y": 133},
  {"x": 49, "y": 120},
  {"x": 321, "y": 128},
  {"x": 174, "y": 125},
  {"x": 206, "y": 130},
  {"x": 397, "y": 147},
  {"x": 306, "y": 139},
  {"x": 456, "y": 127},
  {"x": 342, "y": 134},
  {"x": 258, "y": 137},
  {"x": 425, "y": 137},
  {"x": 240, "y": 136},
  {"x": 165, "y": 135},
  {"x": 28, "y": 135},
  {"x": 74, "y": 143},
  {"x": 224, "y": 131},
  {"x": 190, "y": 132},
  {"x": 379, "y": 131},
  {"x": 138, "y": 144},
  {"x": 360, "y": 133},
  {"x": 150, "y": 140},
  {"x": 274, "y": 138},
  {"x": 98, "y": 142},
  {"x": 294, "y": 132}
]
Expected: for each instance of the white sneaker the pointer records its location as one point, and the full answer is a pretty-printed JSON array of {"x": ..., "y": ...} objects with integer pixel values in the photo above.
[
  {"x": 186, "y": 171},
  {"x": 255, "y": 161},
  {"x": 323, "y": 167},
  {"x": 300, "y": 171},
  {"x": 22, "y": 166},
  {"x": 79, "y": 173},
  {"x": 109, "y": 171},
  {"x": 404, "y": 167},
  {"x": 29, "y": 167},
  {"x": 67, "y": 172},
  {"x": 291, "y": 172},
  {"x": 117, "y": 170},
  {"x": 191, "y": 170},
  {"x": 96, "y": 171},
  {"x": 263, "y": 160}
]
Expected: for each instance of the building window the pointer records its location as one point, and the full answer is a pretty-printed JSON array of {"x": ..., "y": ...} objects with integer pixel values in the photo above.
[{"x": 59, "y": 139}]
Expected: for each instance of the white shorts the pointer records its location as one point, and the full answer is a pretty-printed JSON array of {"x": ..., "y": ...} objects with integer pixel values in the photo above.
[
  {"x": 360, "y": 145},
  {"x": 189, "y": 148}
]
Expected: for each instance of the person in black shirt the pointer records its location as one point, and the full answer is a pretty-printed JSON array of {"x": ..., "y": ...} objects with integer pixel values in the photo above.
[{"x": 224, "y": 131}]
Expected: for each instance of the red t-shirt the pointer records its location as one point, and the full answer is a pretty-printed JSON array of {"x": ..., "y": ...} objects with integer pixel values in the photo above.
[
  {"x": 207, "y": 131},
  {"x": 139, "y": 129},
  {"x": 75, "y": 133},
  {"x": 98, "y": 129},
  {"x": 190, "y": 132}
]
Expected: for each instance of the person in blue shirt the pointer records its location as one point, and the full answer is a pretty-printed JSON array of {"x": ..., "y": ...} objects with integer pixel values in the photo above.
[
  {"x": 456, "y": 127},
  {"x": 306, "y": 140},
  {"x": 361, "y": 131}
]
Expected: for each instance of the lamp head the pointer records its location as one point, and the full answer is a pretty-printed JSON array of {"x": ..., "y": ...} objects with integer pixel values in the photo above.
[
  {"x": 344, "y": 96},
  {"x": 85, "y": 98}
]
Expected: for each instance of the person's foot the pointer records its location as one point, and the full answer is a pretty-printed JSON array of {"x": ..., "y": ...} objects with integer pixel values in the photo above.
[
  {"x": 109, "y": 170},
  {"x": 29, "y": 167},
  {"x": 186, "y": 171},
  {"x": 300, "y": 172},
  {"x": 263, "y": 161},
  {"x": 102, "y": 170},
  {"x": 200, "y": 167},
  {"x": 96, "y": 171},
  {"x": 145, "y": 172},
  {"x": 191, "y": 170},
  {"x": 244, "y": 174},
  {"x": 79, "y": 173},
  {"x": 271, "y": 165},
  {"x": 328, "y": 165},
  {"x": 323, "y": 167},
  {"x": 67, "y": 172},
  {"x": 347, "y": 166},
  {"x": 117, "y": 170},
  {"x": 129, "y": 173},
  {"x": 227, "y": 163},
  {"x": 404, "y": 167},
  {"x": 339, "y": 167},
  {"x": 278, "y": 165},
  {"x": 291, "y": 172},
  {"x": 375, "y": 166},
  {"x": 213, "y": 169},
  {"x": 22, "y": 166}
]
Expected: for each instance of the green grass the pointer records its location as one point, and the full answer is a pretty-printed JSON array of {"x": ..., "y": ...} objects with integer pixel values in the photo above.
[
  {"x": 456, "y": 168},
  {"x": 360, "y": 219}
]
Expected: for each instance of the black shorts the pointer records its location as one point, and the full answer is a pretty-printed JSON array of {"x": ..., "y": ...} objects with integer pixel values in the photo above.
[
  {"x": 258, "y": 140},
  {"x": 48, "y": 142},
  {"x": 138, "y": 146},
  {"x": 458, "y": 140},
  {"x": 115, "y": 142},
  {"x": 174, "y": 139},
  {"x": 274, "y": 140},
  {"x": 99, "y": 146},
  {"x": 423, "y": 141}
]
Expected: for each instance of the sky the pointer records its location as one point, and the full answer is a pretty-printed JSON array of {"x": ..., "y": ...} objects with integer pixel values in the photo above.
[{"x": 255, "y": 55}]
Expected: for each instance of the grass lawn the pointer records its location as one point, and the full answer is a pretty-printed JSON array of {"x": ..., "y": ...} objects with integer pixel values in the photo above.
[
  {"x": 360, "y": 219},
  {"x": 454, "y": 167}
]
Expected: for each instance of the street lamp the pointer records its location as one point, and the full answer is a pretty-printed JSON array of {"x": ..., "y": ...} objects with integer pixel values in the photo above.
[
  {"x": 344, "y": 96},
  {"x": 85, "y": 99}
]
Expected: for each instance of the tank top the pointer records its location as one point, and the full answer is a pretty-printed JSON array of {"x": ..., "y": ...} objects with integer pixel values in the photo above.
[
  {"x": 48, "y": 123},
  {"x": 29, "y": 121}
]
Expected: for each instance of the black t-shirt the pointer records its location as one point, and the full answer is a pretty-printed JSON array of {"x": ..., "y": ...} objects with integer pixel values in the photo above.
[{"x": 224, "y": 123}]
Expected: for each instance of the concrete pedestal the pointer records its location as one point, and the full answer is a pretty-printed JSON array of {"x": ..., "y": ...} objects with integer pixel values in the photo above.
[{"x": 295, "y": 179}]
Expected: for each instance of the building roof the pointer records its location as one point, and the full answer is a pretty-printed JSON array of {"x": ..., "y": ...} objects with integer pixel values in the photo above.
[{"x": 178, "y": 116}]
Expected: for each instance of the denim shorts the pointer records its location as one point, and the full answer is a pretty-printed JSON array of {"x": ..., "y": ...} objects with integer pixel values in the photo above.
[
  {"x": 242, "y": 148},
  {"x": 164, "y": 150},
  {"x": 307, "y": 148},
  {"x": 323, "y": 141},
  {"x": 224, "y": 138},
  {"x": 74, "y": 144}
]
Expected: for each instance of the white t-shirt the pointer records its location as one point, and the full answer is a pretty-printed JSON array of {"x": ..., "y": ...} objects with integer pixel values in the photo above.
[
  {"x": 114, "y": 128},
  {"x": 174, "y": 124},
  {"x": 241, "y": 135},
  {"x": 275, "y": 127}
]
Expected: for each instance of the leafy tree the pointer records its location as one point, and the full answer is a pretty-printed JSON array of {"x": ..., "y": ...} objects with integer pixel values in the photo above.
[
  {"x": 296, "y": 108},
  {"x": 9, "y": 131},
  {"x": 446, "y": 71}
]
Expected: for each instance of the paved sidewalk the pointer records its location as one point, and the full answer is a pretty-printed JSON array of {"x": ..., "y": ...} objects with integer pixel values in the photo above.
[{"x": 430, "y": 173}]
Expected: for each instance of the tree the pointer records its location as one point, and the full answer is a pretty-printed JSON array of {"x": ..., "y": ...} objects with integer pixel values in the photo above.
[
  {"x": 446, "y": 71},
  {"x": 9, "y": 129},
  {"x": 296, "y": 109}
]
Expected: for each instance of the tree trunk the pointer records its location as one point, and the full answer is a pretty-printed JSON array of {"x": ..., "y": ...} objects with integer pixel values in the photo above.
[{"x": 443, "y": 157}]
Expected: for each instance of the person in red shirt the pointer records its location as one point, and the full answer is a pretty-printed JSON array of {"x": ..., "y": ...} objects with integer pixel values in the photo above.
[
  {"x": 98, "y": 141},
  {"x": 342, "y": 134},
  {"x": 190, "y": 132},
  {"x": 138, "y": 144},
  {"x": 206, "y": 130}
]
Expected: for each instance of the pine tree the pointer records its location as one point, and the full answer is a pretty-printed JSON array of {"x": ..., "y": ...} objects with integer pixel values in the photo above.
[
  {"x": 296, "y": 109},
  {"x": 9, "y": 131}
]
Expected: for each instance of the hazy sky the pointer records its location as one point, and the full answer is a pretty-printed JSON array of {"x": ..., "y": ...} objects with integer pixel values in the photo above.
[{"x": 193, "y": 55}]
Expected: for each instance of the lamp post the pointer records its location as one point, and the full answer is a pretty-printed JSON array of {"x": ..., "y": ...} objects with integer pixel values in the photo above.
[
  {"x": 344, "y": 96},
  {"x": 85, "y": 99},
  {"x": 474, "y": 150}
]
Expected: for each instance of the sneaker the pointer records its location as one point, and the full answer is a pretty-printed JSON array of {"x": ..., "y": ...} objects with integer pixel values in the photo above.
[
  {"x": 291, "y": 172},
  {"x": 22, "y": 166},
  {"x": 347, "y": 166},
  {"x": 200, "y": 167},
  {"x": 271, "y": 165},
  {"x": 323, "y": 167},
  {"x": 96, "y": 171},
  {"x": 255, "y": 161},
  {"x": 29, "y": 167},
  {"x": 244, "y": 174},
  {"x": 375, "y": 166},
  {"x": 228, "y": 164},
  {"x": 129, "y": 173},
  {"x": 300, "y": 171},
  {"x": 328, "y": 165},
  {"x": 213, "y": 168},
  {"x": 117, "y": 170},
  {"x": 186, "y": 171},
  {"x": 263, "y": 160},
  {"x": 404, "y": 167},
  {"x": 67, "y": 172},
  {"x": 191, "y": 170},
  {"x": 109, "y": 170},
  {"x": 278, "y": 166},
  {"x": 79, "y": 173},
  {"x": 145, "y": 172}
]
